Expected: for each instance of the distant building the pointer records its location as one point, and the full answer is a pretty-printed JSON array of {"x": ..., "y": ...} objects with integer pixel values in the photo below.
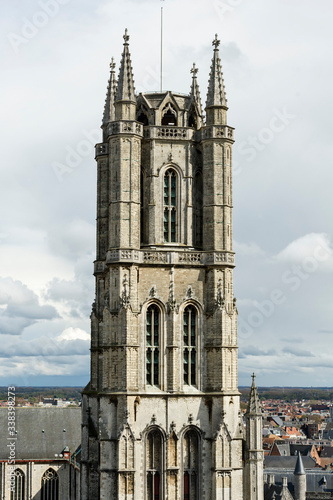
[
  {"x": 296, "y": 478},
  {"x": 45, "y": 449}
]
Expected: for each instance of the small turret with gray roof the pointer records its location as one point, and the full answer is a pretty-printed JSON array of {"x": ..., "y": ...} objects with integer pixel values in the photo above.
[{"x": 300, "y": 479}]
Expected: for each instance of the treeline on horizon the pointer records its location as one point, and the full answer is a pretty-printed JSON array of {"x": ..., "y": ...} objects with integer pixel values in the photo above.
[
  {"x": 36, "y": 394},
  {"x": 292, "y": 393}
]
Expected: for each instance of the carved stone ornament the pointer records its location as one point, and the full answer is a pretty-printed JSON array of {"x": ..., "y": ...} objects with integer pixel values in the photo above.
[
  {"x": 224, "y": 473},
  {"x": 220, "y": 302},
  {"x": 125, "y": 297},
  {"x": 171, "y": 304},
  {"x": 189, "y": 292},
  {"x": 153, "y": 292}
]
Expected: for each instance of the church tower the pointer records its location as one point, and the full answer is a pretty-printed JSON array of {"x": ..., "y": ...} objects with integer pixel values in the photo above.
[{"x": 161, "y": 413}]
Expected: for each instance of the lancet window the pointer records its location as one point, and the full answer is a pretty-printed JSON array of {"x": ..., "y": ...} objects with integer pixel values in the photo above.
[
  {"x": 190, "y": 341},
  {"x": 170, "y": 206},
  {"x": 19, "y": 486},
  {"x": 197, "y": 212},
  {"x": 153, "y": 335},
  {"x": 169, "y": 115},
  {"x": 154, "y": 465},
  {"x": 50, "y": 485},
  {"x": 190, "y": 465},
  {"x": 142, "y": 115}
]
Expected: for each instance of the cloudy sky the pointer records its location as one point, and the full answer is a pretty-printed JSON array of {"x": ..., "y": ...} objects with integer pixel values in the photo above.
[{"x": 277, "y": 65}]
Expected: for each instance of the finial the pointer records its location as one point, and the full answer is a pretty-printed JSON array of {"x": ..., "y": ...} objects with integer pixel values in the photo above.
[
  {"x": 216, "y": 42},
  {"x": 253, "y": 377},
  {"x": 126, "y": 36},
  {"x": 194, "y": 70},
  {"x": 112, "y": 64}
]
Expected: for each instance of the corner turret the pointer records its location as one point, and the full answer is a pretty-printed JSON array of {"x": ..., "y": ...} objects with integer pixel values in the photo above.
[{"x": 300, "y": 479}]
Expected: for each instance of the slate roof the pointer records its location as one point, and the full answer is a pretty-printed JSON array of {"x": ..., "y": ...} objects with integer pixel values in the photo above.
[
  {"x": 328, "y": 434},
  {"x": 286, "y": 462},
  {"x": 303, "y": 449},
  {"x": 299, "y": 468},
  {"x": 277, "y": 420},
  {"x": 41, "y": 432},
  {"x": 327, "y": 451},
  {"x": 314, "y": 480},
  {"x": 284, "y": 449},
  {"x": 277, "y": 492}
]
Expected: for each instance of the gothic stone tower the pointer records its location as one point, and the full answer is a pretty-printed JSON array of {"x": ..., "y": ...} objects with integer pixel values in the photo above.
[{"x": 161, "y": 415}]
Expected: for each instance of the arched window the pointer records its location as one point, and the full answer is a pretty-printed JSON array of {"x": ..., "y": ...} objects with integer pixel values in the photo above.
[
  {"x": 50, "y": 485},
  {"x": 193, "y": 119},
  {"x": 153, "y": 345},
  {"x": 190, "y": 340},
  {"x": 19, "y": 487},
  {"x": 142, "y": 115},
  {"x": 143, "y": 118},
  {"x": 154, "y": 461},
  {"x": 197, "y": 212},
  {"x": 170, "y": 206},
  {"x": 169, "y": 115},
  {"x": 142, "y": 207},
  {"x": 190, "y": 464}
]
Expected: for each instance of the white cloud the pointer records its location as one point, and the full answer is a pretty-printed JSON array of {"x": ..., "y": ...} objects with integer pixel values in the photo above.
[
  {"x": 21, "y": 307},
  {"x": 273, "y": 60},
  {"x": 72, "y": 341},
  {"x": 298, "y": 352},
  {"x": 315, "y": 246},
  {"x": 73, "y": 334},
  {"x": 249, "y": 249}
]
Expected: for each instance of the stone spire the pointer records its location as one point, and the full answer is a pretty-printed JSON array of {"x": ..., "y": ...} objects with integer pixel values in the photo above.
[
  {"x": 125, "y": 90},
  {"x": 195, "y": 92},
  {"x": 216, "y": 95},
  {"x": 109, "y": 110},
  {"x": 299, "y": 469},
  {"x": 253, "y": 407}
]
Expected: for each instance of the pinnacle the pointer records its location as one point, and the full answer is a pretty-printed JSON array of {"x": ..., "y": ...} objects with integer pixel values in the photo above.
[
  {"x": 216, "y": 95},
  {"x": 254, "y": 403},
  {"x": 195, "y": 92},
  {"x": 125, "y": 90},
  {"x": 109, "y": 111}
]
